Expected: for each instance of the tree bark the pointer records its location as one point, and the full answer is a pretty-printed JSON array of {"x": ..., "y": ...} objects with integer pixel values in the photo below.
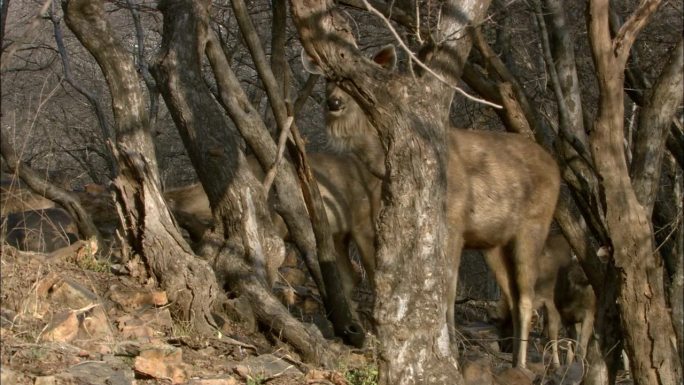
[
  {"x": 255, "y": 133},
  {"x": 239, "y": 249},
  {"x": 188, "y": 282},
  {"x": 410, "y": 283},
  {"x": 645, "y": 321},
  {"x": 336, "y": 305},
  {"x": 655, "y": 118}
]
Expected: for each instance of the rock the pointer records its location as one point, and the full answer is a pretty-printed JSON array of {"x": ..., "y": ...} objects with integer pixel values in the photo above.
[
  {"x": 478, "y": 372},
  {"x": 9, "y": 376},
  {"x": 514, "y": 376},
  {"x": 133, "y": 299},
  {"x": 265, "y": 365},
  {"x": 63, "y": 328},
  {"x": 214, "y": 381},
  {"x": 101, "y": 373},
  {"x": 163, "y": 362}
]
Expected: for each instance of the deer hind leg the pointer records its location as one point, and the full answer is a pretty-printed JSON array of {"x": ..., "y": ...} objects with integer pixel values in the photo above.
[
  {"x": 573, "y": 333},
  {"x": 553, "y": 324},
  {"x": 500, "y": 265},
  {"x": 584, "y": 333},
  {"x": 526, "y": 251},
  {"x": 455, "y": 249}
]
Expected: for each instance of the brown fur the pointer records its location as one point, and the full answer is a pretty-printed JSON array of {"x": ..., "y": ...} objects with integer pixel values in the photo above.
[
  {"x": 350, "y": 194},
  {"x": 563, "y": 290},
  {"x": 44, "y": 230},
  {"x": 15, "y": 197},
  {"x": 501, "y": 192},
  {"x": 576, "y": 301}
]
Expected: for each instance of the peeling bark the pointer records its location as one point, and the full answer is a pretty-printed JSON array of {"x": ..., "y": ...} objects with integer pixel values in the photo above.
[
  {"x": 241, "y": 253},
  {"x": 189, "y": 283}
]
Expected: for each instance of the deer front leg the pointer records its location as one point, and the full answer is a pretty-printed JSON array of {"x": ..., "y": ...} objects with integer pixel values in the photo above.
[
  {"x": 348, "y": 275},
  {"x": 585, "y": 333},
  {"x": 502, "y": 270}
]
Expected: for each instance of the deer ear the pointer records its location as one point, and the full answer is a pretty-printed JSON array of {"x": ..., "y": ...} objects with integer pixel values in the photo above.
[
  {"x": 310, "y": 65},
  {"x": 386, "y": 57}
]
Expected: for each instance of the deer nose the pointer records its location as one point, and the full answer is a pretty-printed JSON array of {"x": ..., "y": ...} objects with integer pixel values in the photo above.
[{"x": 334, "y": 104}]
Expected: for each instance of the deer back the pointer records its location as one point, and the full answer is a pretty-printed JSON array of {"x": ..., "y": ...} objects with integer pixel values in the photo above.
[
  {"x": 16, "y": 197},
  {"x": 44, "y": 230}
]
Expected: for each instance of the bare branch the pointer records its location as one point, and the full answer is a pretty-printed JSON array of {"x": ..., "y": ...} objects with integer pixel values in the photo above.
[
  {"x": 622, "y": 43},
  {"x": 93, "y": 100},
  {"x": 420, "y": 63}
]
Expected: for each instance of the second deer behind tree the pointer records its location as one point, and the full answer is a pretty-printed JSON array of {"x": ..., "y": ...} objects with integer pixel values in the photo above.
[{"x": 501, "y": 194}]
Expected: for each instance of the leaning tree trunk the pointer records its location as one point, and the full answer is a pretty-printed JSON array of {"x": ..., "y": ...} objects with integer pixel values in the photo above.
[
  {"x": 646, "y": 323},
  {"x": 410, "y": 116},
  {"x": 189, "y": 282},
  {"x": 243, "y": 243}
]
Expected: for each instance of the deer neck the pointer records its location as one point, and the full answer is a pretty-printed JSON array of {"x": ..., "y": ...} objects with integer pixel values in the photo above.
[
  {"x": 372, "y": 155},
  {"x": 352, "y": 133}
]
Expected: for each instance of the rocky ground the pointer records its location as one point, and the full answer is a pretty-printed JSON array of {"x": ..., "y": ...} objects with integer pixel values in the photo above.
[{"x": 68, "y": 318}]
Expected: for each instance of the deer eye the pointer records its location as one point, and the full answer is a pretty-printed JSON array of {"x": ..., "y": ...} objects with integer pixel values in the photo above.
[{"x": 334, "y": 104}]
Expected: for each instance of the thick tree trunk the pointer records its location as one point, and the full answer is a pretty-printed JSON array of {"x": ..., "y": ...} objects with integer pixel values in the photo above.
[
  {"x": 647, "y": 325},
  {"x": 411, "y": 283},
  {"x": 239, "y": 248},
  {"x": 188, "y": 282}
]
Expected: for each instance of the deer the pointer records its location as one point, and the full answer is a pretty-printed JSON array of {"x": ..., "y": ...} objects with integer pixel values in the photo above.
[
  {"x": 41, "y": 230},
  {"x": 563, "y": 290},
  {"x": 501, "y": 194},
  {"x": 15, "y": 197},
  {"x": 351, "y": 196}
]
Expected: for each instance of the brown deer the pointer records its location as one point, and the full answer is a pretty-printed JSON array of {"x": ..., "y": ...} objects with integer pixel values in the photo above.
[
  {"x": 564, "y": 291},
  {"x": 15, "y": 197},
  {"x": 575, "y": 300},
  {"x": 501, "y": 192},
  {"x": 351, "y": 196},
  {"x": 43, "y": 230}
]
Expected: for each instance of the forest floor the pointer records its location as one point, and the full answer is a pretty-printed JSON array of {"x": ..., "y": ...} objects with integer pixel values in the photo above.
[{"x": 68, "y": 318}]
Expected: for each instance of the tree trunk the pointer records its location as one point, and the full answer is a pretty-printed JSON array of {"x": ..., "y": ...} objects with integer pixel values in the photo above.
[
  {"x": 411, "y": 283},
  {"x": 239, "y": 248},
  {"x": 336, "y": 305},
  {"x": 669, "y": 235},
  {"x": 187, "y": 281},
  {"x": 647, "y": 326}
]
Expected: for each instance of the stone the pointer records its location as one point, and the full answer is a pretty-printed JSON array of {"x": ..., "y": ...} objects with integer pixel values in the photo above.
[{"x": 63, "y": 328}]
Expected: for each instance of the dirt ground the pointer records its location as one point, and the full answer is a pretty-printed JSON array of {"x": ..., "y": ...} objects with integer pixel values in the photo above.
[{"x": 69, "y": 318}]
